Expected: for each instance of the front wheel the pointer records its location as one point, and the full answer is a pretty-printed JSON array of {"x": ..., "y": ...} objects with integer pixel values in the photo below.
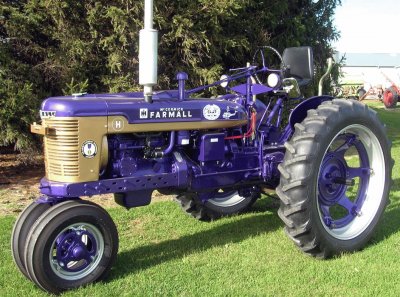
[
  {"x": 21, "y": 229},
  {"x": 72, "y": 244},
  {"x": 335, "y": 178}
]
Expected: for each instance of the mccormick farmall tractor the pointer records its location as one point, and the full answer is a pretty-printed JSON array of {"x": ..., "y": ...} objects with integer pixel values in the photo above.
[{"x": 330, "y": 165}]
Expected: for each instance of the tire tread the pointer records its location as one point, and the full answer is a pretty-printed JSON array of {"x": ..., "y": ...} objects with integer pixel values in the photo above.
[{"x": 294, "y": 188}]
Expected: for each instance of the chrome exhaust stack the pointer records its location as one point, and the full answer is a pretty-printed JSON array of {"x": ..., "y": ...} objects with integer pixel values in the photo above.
[
  {"x": 321, "y": 81},
  {"x": 148, "y": 53}
]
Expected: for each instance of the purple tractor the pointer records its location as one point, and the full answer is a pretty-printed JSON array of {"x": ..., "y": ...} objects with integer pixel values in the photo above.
[{"x": 330, "y": 164}]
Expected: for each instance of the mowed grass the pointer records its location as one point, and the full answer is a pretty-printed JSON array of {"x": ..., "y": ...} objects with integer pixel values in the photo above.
[{"x": 166, "y": 253}]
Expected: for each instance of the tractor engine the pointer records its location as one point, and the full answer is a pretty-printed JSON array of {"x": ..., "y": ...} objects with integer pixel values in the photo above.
[
  {"x": 208, "y": 157},
  {"x": 129, "y": 153}
]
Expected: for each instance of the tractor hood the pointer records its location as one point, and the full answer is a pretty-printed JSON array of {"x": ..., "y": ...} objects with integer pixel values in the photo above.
[
  {"x": 83, "y": 105},
  {"x": 165, "y": 108}
]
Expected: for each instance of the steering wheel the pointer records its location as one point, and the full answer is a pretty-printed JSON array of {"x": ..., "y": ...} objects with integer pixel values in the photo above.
[{"x": 260, "y": 52}]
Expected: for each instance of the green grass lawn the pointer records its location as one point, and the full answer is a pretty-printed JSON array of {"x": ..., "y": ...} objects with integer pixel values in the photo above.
[{"x": 164, "y": 252}]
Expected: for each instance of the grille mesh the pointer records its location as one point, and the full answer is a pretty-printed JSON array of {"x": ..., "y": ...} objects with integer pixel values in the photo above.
[{"x": 62, "y": 148}]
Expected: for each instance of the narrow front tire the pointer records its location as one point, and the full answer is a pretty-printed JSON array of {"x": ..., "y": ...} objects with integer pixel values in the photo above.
[
  {"x": 20, "y": 231},
  {"x": 72, "y": 244}
]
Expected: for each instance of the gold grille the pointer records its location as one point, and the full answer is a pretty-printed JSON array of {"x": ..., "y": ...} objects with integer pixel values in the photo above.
[{"x": 62, "y": 148}]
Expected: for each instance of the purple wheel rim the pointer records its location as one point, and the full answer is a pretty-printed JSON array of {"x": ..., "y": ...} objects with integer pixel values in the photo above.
[
  {"x": 76, "y": 251},
  {"x": 350, "y": 189}
]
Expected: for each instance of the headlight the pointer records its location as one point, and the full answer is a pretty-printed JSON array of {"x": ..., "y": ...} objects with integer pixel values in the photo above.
[
  {"x": 224, "y": 80},
  {"x": 273, "y": 80}
]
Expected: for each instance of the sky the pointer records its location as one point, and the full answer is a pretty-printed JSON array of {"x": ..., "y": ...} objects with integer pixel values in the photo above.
[{"x": 368, "y": 26}]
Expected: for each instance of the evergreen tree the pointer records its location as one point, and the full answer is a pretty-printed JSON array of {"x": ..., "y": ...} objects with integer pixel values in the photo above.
[{"x": 54, "y": 47}]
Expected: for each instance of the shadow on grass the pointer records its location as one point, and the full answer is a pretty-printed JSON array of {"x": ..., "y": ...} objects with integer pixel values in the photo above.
[
  {"x": 390, "y": 223},
  {"x": 263, "y": 220},
  {"x": 129, "y": 262}
]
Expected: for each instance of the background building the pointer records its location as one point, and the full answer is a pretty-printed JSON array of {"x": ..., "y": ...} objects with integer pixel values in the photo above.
[{"x": 370, "y": 69}]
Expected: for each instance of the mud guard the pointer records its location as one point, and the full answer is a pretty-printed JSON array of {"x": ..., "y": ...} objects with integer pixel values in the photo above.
[{"x": 300, "y": 112}]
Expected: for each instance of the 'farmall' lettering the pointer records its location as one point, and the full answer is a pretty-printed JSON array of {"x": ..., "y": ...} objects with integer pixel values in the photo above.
[{"x": 166, "y": 113}]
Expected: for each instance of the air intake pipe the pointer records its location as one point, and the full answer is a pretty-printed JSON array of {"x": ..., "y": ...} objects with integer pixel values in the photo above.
[{"x": 148, "y": 47}]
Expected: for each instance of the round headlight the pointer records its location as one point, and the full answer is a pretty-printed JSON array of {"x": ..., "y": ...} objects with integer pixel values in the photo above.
[
  {"x": 273, "y": 80},
  {"x": 224, "y": 80}
]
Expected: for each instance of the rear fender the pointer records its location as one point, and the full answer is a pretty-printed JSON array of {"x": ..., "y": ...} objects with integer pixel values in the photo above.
[{"x": 300, "y": 112}]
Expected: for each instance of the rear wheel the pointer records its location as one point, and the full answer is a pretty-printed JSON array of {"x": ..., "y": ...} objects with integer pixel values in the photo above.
[
  {"x": 390, "y": 97},
  {"x": 222, "y": 203},
  {"x": 72, "y": 244},
  {"x": 335, "y": 178}
]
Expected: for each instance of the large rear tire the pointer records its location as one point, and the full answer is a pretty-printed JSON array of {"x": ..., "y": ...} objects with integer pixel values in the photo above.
[
  {"x": 222, "y": 203},
  {"x": 335, "y": 178},
  {"x": 390, "y": 97}
]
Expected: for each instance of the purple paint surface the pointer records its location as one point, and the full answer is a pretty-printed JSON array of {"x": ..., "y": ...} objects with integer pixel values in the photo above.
[{"x": 165, "y": 108}]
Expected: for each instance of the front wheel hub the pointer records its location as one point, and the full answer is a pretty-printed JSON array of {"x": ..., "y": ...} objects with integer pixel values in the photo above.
[{"x": 76, "y": 251}]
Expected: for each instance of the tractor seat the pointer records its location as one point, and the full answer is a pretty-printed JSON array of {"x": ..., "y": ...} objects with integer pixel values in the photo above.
[{"x": 300, "y": 64}]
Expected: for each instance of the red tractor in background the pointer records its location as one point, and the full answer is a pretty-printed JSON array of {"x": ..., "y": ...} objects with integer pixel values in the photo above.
[{"x": 391, "y": 94}]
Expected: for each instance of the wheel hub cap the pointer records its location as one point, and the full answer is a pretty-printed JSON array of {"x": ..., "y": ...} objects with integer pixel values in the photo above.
[
  {"x": 330, "y": 188},
  {"x": 76, "y": 251},
  {"x": 76, "y": 246}
]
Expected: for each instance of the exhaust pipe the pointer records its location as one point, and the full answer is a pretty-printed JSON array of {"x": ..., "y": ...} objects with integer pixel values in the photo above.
[
  {"x": 148, "y": 53},
  {"x": 321, "y": 81}
]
